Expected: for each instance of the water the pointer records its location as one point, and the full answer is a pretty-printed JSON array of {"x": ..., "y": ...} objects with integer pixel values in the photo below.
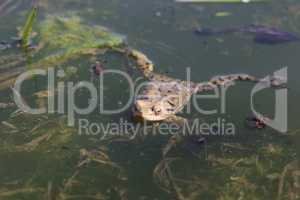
[{"x": 245, "y": 166}]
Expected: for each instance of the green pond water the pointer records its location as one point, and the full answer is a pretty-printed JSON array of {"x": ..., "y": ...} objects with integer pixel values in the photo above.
[{"x": 41, "y": 157}]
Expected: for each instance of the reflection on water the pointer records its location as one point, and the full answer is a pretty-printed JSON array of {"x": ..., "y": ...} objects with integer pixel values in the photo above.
[{"x": 42, "y": 158}]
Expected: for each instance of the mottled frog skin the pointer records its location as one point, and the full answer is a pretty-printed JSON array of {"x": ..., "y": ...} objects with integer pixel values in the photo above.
[{"x": 163, "y": 97}]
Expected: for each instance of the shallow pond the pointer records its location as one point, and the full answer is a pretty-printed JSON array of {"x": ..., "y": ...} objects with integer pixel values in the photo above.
[{"x": 41, "y": 157}]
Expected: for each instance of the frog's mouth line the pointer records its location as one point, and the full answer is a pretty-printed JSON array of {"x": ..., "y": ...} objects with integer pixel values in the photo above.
[{"x": 141, "y": 117}]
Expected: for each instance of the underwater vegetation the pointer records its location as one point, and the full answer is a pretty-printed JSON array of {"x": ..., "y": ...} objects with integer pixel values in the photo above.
[
  {"x": 59, "y": 40},
  {"x": 66, "y": 38},
  {"x": 48, "y": 139},
  {"x": 27, "y": 29},
  {"x": 45, "y": 159},
  {"x": 64, "y": 169}
]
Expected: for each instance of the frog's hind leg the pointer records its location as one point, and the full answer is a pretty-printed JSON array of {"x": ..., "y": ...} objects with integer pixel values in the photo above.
[
  {"x": 228, "y": 80},
  {"x": 223, "y": 81},
  {"x": 181, "y": 121}
]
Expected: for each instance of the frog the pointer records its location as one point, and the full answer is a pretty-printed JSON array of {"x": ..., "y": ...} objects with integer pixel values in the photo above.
[{"x": 163, "y": 97}]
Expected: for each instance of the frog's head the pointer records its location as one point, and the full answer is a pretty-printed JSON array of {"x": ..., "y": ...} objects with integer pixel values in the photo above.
[
  {"x": 154, "y": 105},
  {"x": 149, "y": 110}
]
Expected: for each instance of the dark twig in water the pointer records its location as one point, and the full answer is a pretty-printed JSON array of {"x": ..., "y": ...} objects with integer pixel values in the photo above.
[{"x": 164, "y": 173}]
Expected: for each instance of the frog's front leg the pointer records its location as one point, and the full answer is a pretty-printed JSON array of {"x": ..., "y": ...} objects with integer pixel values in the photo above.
[{"x": 181, "y": 121}]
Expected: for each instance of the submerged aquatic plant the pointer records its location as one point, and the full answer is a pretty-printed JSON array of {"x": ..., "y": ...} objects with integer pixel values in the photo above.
[
  {"x": 41, "y": 132},
  {"x": 66, "y": 38},
  {"x": 62, "y": 39},
  {"x": 27, "y": 29}
]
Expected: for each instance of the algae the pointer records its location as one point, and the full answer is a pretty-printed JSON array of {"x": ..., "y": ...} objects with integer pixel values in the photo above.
[
  {"x": 60, "y": 40},
  {"x": 66, "y": 38}
]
